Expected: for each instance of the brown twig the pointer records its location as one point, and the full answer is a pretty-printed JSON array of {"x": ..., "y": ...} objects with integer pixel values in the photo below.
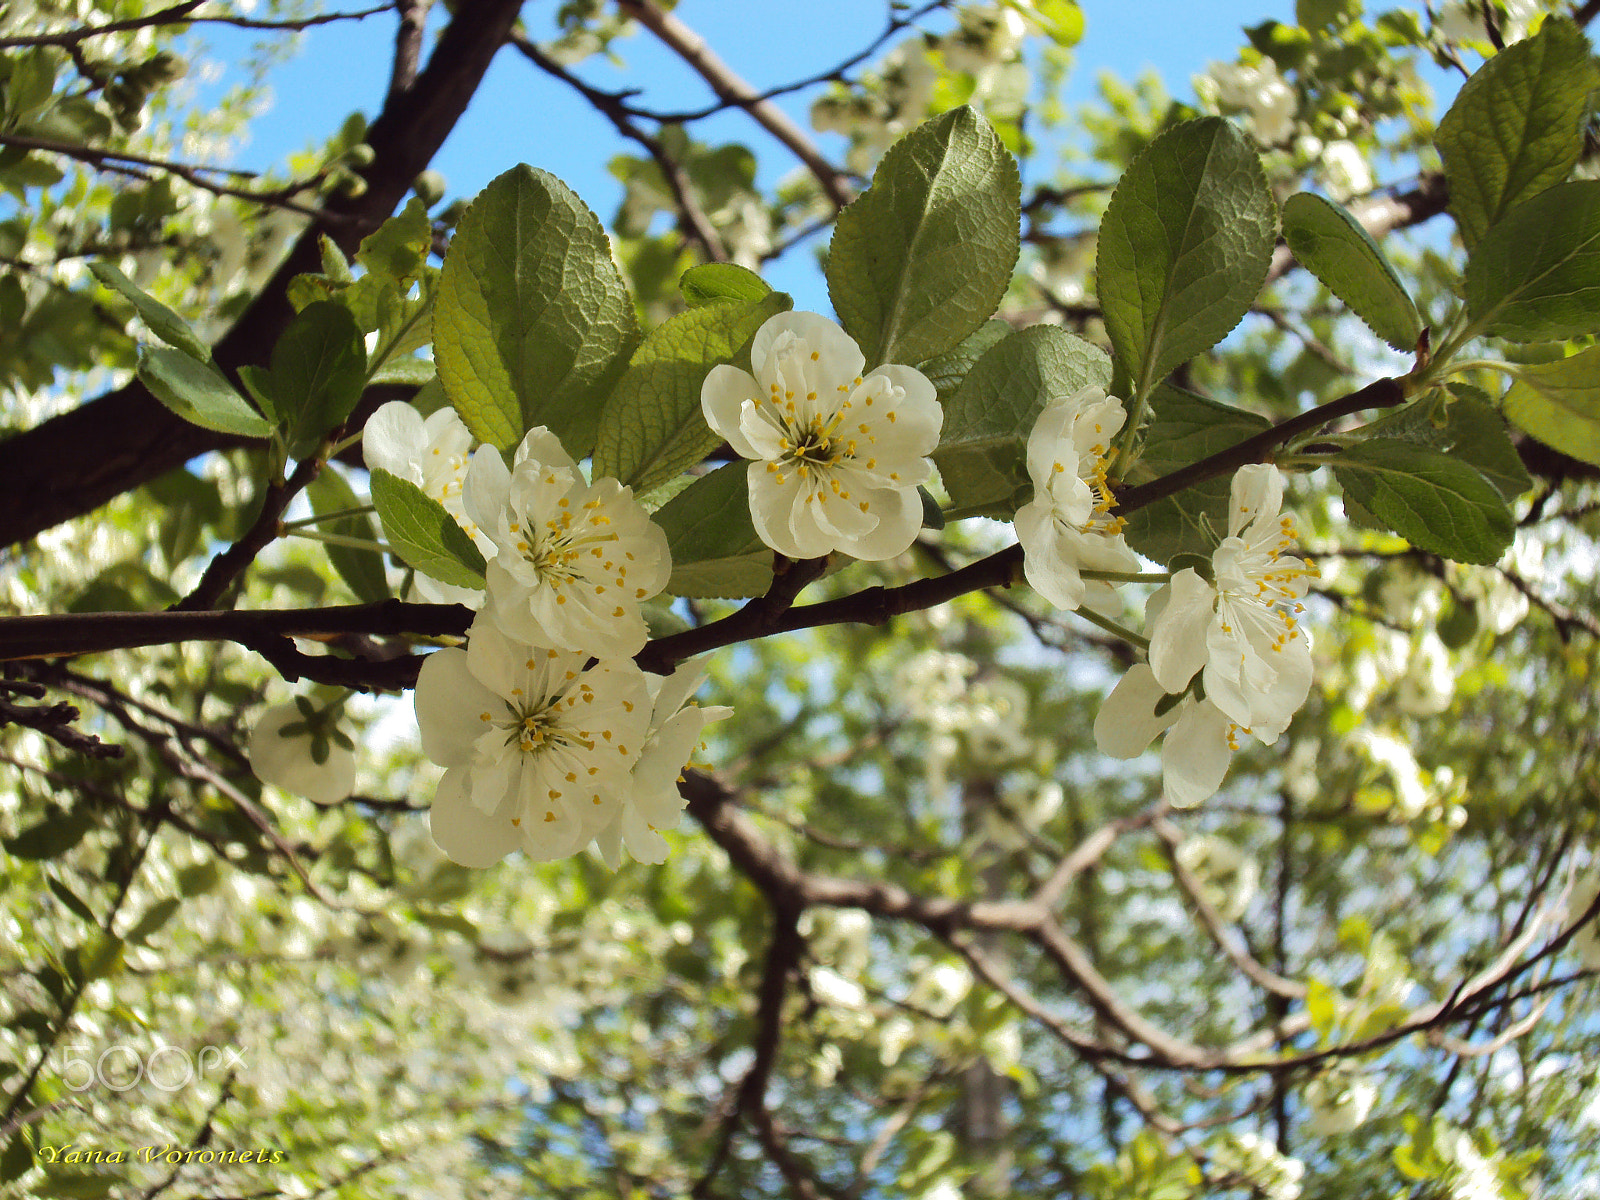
[{"x": 733, "y": 90}]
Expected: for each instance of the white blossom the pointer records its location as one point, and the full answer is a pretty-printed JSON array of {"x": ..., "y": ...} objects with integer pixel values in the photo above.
[
  {"x": 1339, "y": 1102},
  {"x": 653, "y": 801},
  {"x": 1068, "y": 525},
  {"x": 1199, "y": 740},
  {"x": 1258, "y": 87},
  {"x": 1276, "y": 1175},
  {"x": 433, "y": 454},
  {"x": 838, "y": 456},
  {"x": 288, "y": 760},
  {"x": 1242, "y": 631},
  {"x": 537, "y": 748},
  {"x": 1345, "y": 171},
  {"x": 575, "y": 559}
]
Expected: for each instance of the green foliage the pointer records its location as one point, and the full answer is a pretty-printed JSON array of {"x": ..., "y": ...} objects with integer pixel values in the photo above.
[
  {"x": 920, "y": 259},
  {"x": 423, "y": 534},
  {"x": 1334, "y": 247},
  {"x": 947, "y": 371},
  {"x": 362, "y": 570},
  {"x": 715, "y": 550},
  {"x": 318, "y": 371},
  {"x": 533, "y": 325},
  {"x": 198, "y": 392},
  {"x": 982, "y": 454},
  {"x": 1184, "y": 247},
  {"x": 1184, "y": 428},
  {"x": 1559, "y": 403},
  {"x": 1516, "y": 127},
  {"x": 1464, "y": 424},
  {"x": 652, "y": 427},
  {"x": 710, "y": 282},
  {"x": 163, "y": 322},
  {"x": 1435, "y": 501},
  {"x": 1533, "y": 276}
]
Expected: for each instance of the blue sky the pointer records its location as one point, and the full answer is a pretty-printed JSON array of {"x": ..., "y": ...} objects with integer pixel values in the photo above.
[{"x": 519, "y": 115}]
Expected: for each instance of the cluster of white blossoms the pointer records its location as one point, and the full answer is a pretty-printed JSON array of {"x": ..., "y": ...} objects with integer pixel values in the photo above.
[
  {"x": 1257, "y": 88},
  {"x": 1228, "y": 655},
  {"x": 551, "y": 736},
  {"x": 837, "y": 456},
  {"x": 1067, "y": 527}
]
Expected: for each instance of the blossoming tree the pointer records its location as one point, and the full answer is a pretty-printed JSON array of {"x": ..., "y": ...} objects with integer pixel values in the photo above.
[{"x": 427, "y": 560}]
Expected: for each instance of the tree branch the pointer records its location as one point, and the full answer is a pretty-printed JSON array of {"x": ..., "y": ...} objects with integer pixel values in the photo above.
[
  {"x": 692, "y": 48},
  {"x": 75, "y": 462}
]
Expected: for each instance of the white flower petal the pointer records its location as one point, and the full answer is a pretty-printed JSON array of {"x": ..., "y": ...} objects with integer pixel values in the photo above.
[
  {"x": 466, "y": 834},
  {"x": 450, "y": 703},
  {"x": 287, "y": 762},
  {"x": 393, "y": 440},
  {"x": 1127, "y": 721},
  {"x": 1178, "y": 639},
  {"x": 1195, "y": 754},
  {"x": 722, "y": 400},
  {"x": 487, "y": 486}
]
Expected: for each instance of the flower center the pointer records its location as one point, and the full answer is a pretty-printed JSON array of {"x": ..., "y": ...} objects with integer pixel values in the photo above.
[{"x": 557, "y": 553}]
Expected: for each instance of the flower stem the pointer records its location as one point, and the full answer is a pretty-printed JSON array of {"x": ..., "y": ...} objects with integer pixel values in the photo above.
[
  {"x": 337, "y": 539},
  {"x": 337, "y": 515},
  {"x": 1110, "y": 626},
  {"x": 1127, "y": 576}
]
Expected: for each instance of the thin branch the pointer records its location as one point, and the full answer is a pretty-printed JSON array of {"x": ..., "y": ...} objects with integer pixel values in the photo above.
[
  {"x": 229, "y": 565},
  {"x": 178, "y": 14},
  {"x": 407, "y": 45},
  {"x": 733, "y": 90},
  {"x": 837, "y": 72},
  {"x": 124, "y": 163},
  {"x": 695, "y": 225},
  {"x": 1172, "y": 837}
]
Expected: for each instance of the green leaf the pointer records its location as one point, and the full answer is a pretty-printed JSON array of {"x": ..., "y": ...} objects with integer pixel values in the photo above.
[
  {"x": 711, "y": 282},
  {"x": 362, "y": 570},
  {"x": 652, "y": 428},
  {"x": 162, "y": 321},
  {"x": 715, "y": 550},
  {"x": 1559, "y": 403},
  {"x": 423, "y": 534},
  {"x": 1516, "y": 127},
  {"x": 198, "y": 393},
  {"x": 72, "y": 900},
  {"x": 319, "y": 368},
  {"x": 398, "y": 249},
  {"x": 1061, "y": 20},
  {"x": 921, "y": 258},
  {"x": 1183, "y": 429},
  {"x": 1535, "y": 276},
  {"x": 946, "y": 371},
  {"x": 533, "y": 324},
  {"x": 1436, "y": 502},
  {"x": 17, "y": 1158},
  {"x": 156, "y": 916},
  {"x": 982, "y": 454},
  {"x": 69, "y": 1185},
  {"x": 1332, "y": 245},
  {"x": 1184, "y": 247},
  {"x": 1467, "y": 427},
  {"x": 51, "y": 837}
]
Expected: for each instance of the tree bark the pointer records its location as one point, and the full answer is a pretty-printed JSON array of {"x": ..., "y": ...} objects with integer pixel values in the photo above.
[{"x": 72, "y": 464}]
